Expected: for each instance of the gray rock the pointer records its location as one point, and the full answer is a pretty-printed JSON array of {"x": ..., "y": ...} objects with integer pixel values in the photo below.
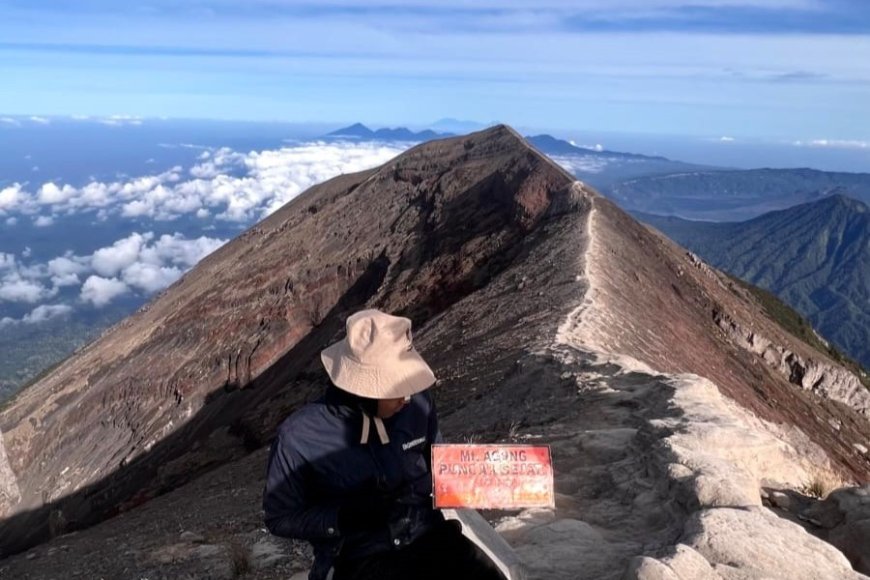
[
  {"x": 689, "y": 564},
  {"x": 755, "y": 543},
  {"x": 192, "y": 537},
  {"x": 9, "y": 492},
  {"x": 781, "y": 500},
  {"x": 684, "y": 564},
  {"x": 646, "y": 568},
  {"x": 847, "y": 504},
  {"x": 825, "y": 380},
  {"x": 853, "y": 539},
  {"x": 267, "y": 553}
]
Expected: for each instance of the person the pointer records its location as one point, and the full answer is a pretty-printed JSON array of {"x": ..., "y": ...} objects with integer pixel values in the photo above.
[{"x": 351, "y": 472}]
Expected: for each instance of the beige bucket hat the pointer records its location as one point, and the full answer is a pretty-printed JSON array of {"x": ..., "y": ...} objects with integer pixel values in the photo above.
[{"x": 377, "y": 359}]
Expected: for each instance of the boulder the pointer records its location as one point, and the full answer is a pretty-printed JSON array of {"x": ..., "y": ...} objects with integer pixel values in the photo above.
[{"x": 755, "y": 543}]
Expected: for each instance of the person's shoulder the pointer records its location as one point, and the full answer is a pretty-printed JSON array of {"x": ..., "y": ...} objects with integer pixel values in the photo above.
[
  {"x": 302, "y": 419},
  {"x": 424, "y": 401}
]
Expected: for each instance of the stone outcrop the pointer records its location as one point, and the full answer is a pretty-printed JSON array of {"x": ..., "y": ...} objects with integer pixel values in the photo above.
[
  {"x": 845, "y": 518},
  {"x": 9, "y": 494},
  {"x": 823, "y": 379}
]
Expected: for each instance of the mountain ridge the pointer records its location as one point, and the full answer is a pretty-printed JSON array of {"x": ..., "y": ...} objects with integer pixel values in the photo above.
[
  {"x": 735, "y": 195},
  {"x": 526, "y": 289},
  {"x": 360, "y": 131}
]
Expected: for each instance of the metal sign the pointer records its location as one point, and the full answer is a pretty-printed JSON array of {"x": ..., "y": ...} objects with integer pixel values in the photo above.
[{"x": 492, "y": 476}]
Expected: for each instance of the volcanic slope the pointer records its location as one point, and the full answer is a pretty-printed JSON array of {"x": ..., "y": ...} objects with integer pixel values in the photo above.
[{"x": 547, "y": 313}]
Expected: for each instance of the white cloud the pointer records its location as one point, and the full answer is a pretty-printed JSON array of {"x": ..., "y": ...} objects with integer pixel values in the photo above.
[
  {"x": 27, "y": 252},
  {"x": 121, "y": 120},
  {"x": 38, "y": 314},
  {"x": 14, "y": 288},
  {"x": 64, "y": 280},
  {"x": 123, "y": 253},
  {"x": 177, "y": 250},
  {"x": 43, "y": 221},
  {"x": 726, "y": 139},
  {"x": 49, "y": 193},
  {"x": 140, "y": 262},
  {"x": 10, "y": 121},
  {"x": 137, "y": 208},
  {"x": 46, "y": 312},
  {"x": 11, "y": 221},
  {"x": 11, "y": 197},
  {"x": 150, "y": 278},
  {"x": 101, "y": 291},
  {"x": 581, "y": 163},
  {"x": 835, "y": 143},
  {"x": 40, "y": 120},
  {"x": 66, "y": 265},
  {"x": 226, "y": 185},
  {"x": 205, "y": 170},
  {"x": 65, "y": 270},
  {"x": 145, "y": 263}
]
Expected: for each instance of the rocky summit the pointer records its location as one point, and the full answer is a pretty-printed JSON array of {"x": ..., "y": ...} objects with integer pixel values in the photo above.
[{"x": 690, "y": 433}]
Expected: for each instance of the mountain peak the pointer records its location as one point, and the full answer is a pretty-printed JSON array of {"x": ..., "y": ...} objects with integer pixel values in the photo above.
[
  {"x": 413, "y": 237},
  {"x": 526, "y": 290},
  {"x": 839, "y": 199},
  {"x": 355, "y": 130}
]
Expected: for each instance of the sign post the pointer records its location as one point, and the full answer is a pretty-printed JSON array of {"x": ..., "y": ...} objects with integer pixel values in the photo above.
[{"x": 492, "y": 476}]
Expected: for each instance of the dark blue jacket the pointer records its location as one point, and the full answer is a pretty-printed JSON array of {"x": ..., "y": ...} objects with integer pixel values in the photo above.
[{"x": 317, "y": 464}]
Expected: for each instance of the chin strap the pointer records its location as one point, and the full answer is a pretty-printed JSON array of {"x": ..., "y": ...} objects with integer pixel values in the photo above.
[{"x": 379, "y": 427}]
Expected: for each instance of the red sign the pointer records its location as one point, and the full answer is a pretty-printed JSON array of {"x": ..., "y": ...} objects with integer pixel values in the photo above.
[{"x": 492, "y": 476}]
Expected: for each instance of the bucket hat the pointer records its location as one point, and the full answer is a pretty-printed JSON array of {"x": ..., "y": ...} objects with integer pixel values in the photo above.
[{"x": 377, "y": 358}]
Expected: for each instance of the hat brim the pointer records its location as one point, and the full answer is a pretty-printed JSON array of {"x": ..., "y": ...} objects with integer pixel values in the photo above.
[{"x": 403, "y": 376}]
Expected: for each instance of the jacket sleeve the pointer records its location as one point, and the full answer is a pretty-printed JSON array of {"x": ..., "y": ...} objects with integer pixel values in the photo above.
[
  {"x": 287, "y": 504},
  {"x": 433, "y": 434}
]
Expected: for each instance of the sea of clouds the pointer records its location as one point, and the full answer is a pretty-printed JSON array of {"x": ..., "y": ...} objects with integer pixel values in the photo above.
[{"x": 223, "y": 186}]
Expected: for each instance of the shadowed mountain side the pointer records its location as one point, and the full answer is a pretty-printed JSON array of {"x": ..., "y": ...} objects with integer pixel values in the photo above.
[{"x": 421, "y": 232}]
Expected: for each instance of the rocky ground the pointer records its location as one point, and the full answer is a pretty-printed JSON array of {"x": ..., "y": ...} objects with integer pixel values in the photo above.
[{"x": 656, "y": 477}]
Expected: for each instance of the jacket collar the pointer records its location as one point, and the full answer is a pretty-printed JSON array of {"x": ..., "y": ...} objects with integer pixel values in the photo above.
[{"x": 346, "y": 406}]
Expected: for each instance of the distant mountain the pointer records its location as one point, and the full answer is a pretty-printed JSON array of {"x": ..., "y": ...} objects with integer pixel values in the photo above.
[
  {"x": 815, "y": 256},
  {"x": 360, "y": 131},
  {"x": 602, "y": 168},
  {"x": 553, "y": 146},
  {"x": 458, "y": 126},
  {"x": 734, "y": 195}
]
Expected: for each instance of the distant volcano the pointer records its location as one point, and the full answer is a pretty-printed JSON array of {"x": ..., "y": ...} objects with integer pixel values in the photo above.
[{"x": 361, "y": 132}]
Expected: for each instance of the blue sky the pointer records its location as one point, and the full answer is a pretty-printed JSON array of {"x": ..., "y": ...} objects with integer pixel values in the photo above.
[{"x": 793, "y": 69}]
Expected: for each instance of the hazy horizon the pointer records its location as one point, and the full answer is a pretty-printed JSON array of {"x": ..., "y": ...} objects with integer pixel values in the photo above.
[{"x": 779, "y": 69}]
